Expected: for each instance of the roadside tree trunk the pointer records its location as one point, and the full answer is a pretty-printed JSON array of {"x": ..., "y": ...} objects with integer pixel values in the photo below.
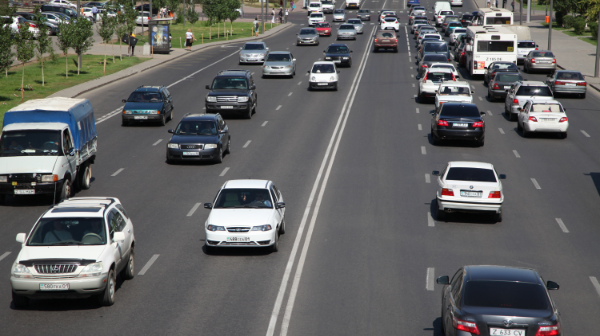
[
  {"x": 22, "y": 83},
  {"x": 104, "y": 74}
]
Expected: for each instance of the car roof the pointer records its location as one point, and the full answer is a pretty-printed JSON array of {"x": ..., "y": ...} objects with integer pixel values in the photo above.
[
  {"x": 533, "y": 83},
  {"x": 81, "y": 206},
  {"x": 256, "y": 42},
  {"x": 338, "y": 45},
  {"x": 251, "y": 184},
  {"x": 234, "y": 73},
  {"x": 200, "y": 116},
  {"x": 544, "y": 102},
  {"x": 502, "y": 273},
  {"x": 469, "y": 164}
]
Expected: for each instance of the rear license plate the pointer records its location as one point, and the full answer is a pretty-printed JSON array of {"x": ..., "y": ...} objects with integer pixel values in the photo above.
[
  {"x": 238, "y": 239},
  {"x": 140, "y": 117},
  {"x": 227, "y": 107},
  {"x": 544, "y": 62},
  {"x": 459, "y": 125},
  {"x": 54, "y": 287},
  {"x": 507, "y": 332},
  {"x": 385, "y": 40},
  {"x": 323, "y": 84},
  {"x": 191, "y": 153},
  {"x": 507, "y": 87},
  {"x": 570, "y": 84},
  {"x": 468, "y": 193},
  {"x": 24, "y": 191},
  {"x": 548, "y": 119}
]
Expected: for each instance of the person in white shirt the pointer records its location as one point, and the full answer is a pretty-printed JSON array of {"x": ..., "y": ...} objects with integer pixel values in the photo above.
[
  {"x": 58, "y": 234},
  {"x": 189, "y": 38}
]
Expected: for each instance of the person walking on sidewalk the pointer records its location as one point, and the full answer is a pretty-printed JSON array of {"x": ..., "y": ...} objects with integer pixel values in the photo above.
[
  {"x": 95, "y": 13},
  {"x": 273, "y": 15},
  {"x": 256, "y": 26},
  {"x": 280, "y": 15},
  {"x": 292, "y": 6},
  {"x": 189, "y": 39},
  {"x": 513, "y": 5},
  {"x": 286, "y": 15},
  {"x": 131, "y": 43}
]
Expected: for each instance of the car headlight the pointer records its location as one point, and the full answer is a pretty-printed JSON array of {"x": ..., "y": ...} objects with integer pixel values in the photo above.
[
  {"x": 126, "y": 112},
  {"x": 211, "y": 99},
  {"x": 242, "y": 99},
  {"x": 313, "y": 78},
  {"x": 93, "y": 269},
  {"x": 345, "y": 57},
  {"x": 327, "y": 58},
  {"x": 210, "y": 146},
  {"x": 266, "y": 227},
  {"x": 48, "y": 178},
  {"x": 173, "y": 145},
  {"x": 261, "y": 55},
  {"x": 288, "y": 66},
  {"x": 154, "y": 112},
  {"x": 20, "y": 271},
  {"x": 331, "y": 79},
  {"x": 3, "y": 178},
  {"x": 215, "y": 228}
]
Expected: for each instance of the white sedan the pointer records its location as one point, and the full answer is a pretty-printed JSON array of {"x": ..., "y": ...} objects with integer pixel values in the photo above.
[
  {"x": 446, "y": 66},
  {"x": 543, "y": 116},
  {"x": 469, "y": 187},
  {"x": 390, "y": 22},
  {"x": 323, "y": 75},
  {"x": 453, "y": 92},
  {"x": 142, "y": 18}
]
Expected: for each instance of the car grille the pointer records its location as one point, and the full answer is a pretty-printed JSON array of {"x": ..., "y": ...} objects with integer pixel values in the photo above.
[
  {"x": 227, "y": 99},
  {"x": 23, "y": 178},
  {"x": 238, "y": 229},
  {"x": 239, "y": 244},
  {"x": 276, "y": 67},
  {"x": 307, "y": 39},
  {"x": 56, "y": 268},
  {"x": 192, "y": 146}
]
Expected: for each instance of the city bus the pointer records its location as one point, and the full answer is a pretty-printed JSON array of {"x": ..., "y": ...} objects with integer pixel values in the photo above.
[
  {"x": 493, "y": 17},
  {"x": 489, "y": 44}
]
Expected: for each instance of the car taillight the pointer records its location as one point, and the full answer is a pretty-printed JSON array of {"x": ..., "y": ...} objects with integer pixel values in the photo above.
[
  {"x": 548, "y": 330},
  {"x": 496, "y": 87},
  {"x": 439, "y": 17},
  {"x": 533, "y": 60},
  {"x": 32, "y": 25},
  {"x": 492, "y": 75},
  {"x": 375, "y": 40},
  {"x": 554, "y": 60},
  {"x": 495, "y": 194},
  {"x": 563, "y": 119},
  {"x": 424, "y": 66},
  {"x": 462, "y": 54},
  {"x": 536, "y": 48},
  {"x": 559, "y": 83},
  {"x": 478, "y": 124},
  {"x": 396, "y": 40},
  {"x": 425, "y": 79},
  {"x": 465, "y": 326},
  {"x": 532, "y": 118},
  {"x": 442, "y": 122},
  {"x": 515, "y": 101},
  {"x": 582, "y": 84},
  {"x": 447, "y": 192}
]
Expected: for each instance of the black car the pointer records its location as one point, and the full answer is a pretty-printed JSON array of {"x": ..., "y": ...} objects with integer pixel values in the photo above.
[
  {"x": 364, "y": 15},
  {"x": 457, "y": 121},
  {"x": 199, "y": 137},
  {"x": 499, "y": 66},
  {"x": 498, "y": 300},
  {"x": 501, "y": 83},
  {"x": 146, "y": 8},
  {"x": 148, "y": 103},
  {"x": 466, "y": 19},
  {"x": 339, "y": 54},
  {"x": 232, "y": 90}
]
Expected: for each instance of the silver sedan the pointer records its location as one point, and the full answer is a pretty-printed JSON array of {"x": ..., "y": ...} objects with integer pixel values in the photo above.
[
  {"x": 307, "y": 36},
  {"x": 339, "y": 15},
  {"x": 539, "y": 60},
  {"x": 279, "y": 63},
  {"x": 567, "y": 82},
  {"x": 346, "y": 31},
  {"x": 358, "y": 25},
  {"x": 253, "y": 52}
]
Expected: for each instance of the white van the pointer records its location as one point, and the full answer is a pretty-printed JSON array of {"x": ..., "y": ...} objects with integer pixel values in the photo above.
[
  {"x": 315, "y": 7},
  {"x": 441, "y": 5}
]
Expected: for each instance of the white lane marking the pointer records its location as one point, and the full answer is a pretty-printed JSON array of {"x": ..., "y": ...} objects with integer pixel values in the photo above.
[
  {"x": 535, "y": 183},
  {"x": 263, "y": 124},
  {"x": 4, "y": 255},
  {"x": 409, "y": 54},
  {"x": 596, "y": 284},
  {"x": 109, "y": 115},
  {"x": 224, "y": 171},
  {"x": 480, "y": 98},
  {"x": 516, "y": 154},
  {"x": 247, "y": 144},
  {"x": 501, "y": 130},
  {"x": 117, "y": 172},
  {"x": 562, "y": 225},
  {"x": 278, "y": 107},
  {"x": 306, "y": 74},
  {"x": 427, "y": 178},
  {"x": 206, "y": 67},
  {"x": 417, "y": 110},
  {"x": 331, "y": 150},
  {"x": 319, "y": 59},
  {"x": 299, "y": 83},
  {"x": 585, "y": 133},
  {"x": 289, "y": 94},
  {"x": 419, "y": 127},
  {"x": 410, "y": 67},
  {"x": 156, "y": 143},
  {"x": 429, "y": 280},
  {"x": 413, "y": 84},
  {"x": 412, "y": 76},
  {"x": 489, "y": 112},
  {"x": 194, "y": 208},
  {"x": 148, "y": 264},
  {"x": 252, "y": 73},
  {"x": 423, "y": 150},
  {"x": 430, "y": 221}
]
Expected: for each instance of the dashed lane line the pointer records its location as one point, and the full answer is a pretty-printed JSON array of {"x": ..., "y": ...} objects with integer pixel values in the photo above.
[
  {"x": 562, "y": 225},
  {"x": 289, "y": 94},
  {"x": 423, "y": 150},
  {"x": 501, "y": 130},
  {"x": 194, "y": 208},
  {"x": 417, "y": 109},
  {"x": 419, "y": 127},
  {"x": 263, "y": 124},
  {"x": 595, "y": 284},
  {"x": 429, "y": 279},
  {"x": 224, "y": 171},
  {"x": 427, "y": 178},
  {"x": 299, "y": 83},
  {"x": 516, "y": 154},
  {"x": 489, "y": 112},
  {"x": 278, "y": 107},
  {"x": 535, "y": 183},
  {"x": 156, "y": 143},
  {"x": 149, "y": 264},
  {"x": 4, "y": 255},
  {"x": 430, "y": 221},
  {"x": 247, "y": 144},
  {"x": 117, "y": 172},
  {"x": 585, "y": 133}
]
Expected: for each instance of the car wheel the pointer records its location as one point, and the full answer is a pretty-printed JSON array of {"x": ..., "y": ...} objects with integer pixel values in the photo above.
[
  {"x": 129, "y": 271},
  {"x": 163, "y": 120},
  {"x": 396, "y": 50},
  {"x": 2, "y": 199},
  {"x": 169, "y": 160},
  {"x": 481, "y": 142},
  {"x": 524, "y": 67},
  {"x": 107, "y": 298},
  {"x": 563, "y": 135},
  {"x": 498, "y": 217},
  {"x": 19, "y": 301},
  {"x": 65, "y": 191},
  {"x": 85, "y": 177},
  {"x": 248, "y": 114},
  {"x": 375, "y": 49},
  {"x": 519, "y": 127},
  {"x": 219, "y": 158},
  {"x": 582, "y": 95},
  {"x": 228, "y": 150},
  {"x": 525, "y": 133},
  {"x": 275, "y": 246},
  {"x": 124, "y": 123},
  {"x": 282, "y": 227},
  {"x": 335, "y": 88},
  {"x": 512, "y": 117},
  {"x": 209, "y": 249},
  {"x": 439, "y": 215},
  {"x": 171, "y": 115},
  {"x": 490, "y": 97},
  {"x": 434, "y": 139}
]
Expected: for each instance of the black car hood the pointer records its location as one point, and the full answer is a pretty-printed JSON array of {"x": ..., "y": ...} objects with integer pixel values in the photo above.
[
  {"x": 228, "y": 92},
  {"x": 474, "y": 311},
  {"x": 194, "y": 139},
  {"x": 337, "y": 54}
]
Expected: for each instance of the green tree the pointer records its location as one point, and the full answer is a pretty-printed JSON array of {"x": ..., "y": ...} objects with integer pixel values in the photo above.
[
  {"x": 25, "y": 51},
  {"x": 81, "y": 38},
  {"x": 230, "y": 11},
  {"x": 44, "y": 43},
  {"x": 192, "y": 15},
  {"x": 63, "y": 40},
  {"x": 6, "y": 44},
  {"x": 106, "y": 30},
  {"x": 121, "y": 30},
  {"x": 215, "y": 10}
]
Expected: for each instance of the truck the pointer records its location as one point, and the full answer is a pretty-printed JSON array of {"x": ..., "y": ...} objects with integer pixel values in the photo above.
[{"x": 47, "y": 146}]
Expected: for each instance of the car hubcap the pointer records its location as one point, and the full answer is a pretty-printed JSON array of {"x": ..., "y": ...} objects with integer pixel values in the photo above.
[
  {"x": 131, "y": 264},
  {"x": 111, "y": 288}
]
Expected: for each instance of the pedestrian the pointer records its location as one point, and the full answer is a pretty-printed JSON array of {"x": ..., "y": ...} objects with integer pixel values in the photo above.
[
  {"x": 496, "y": 3},
  {"x": 95, "y": 13},
  {"x": 513, "y": 5},
  {"x": 293, "y": 6},
  {"x": 189, "y": 38},
  {"x": 132, "y": 43},
  {"x": 286, "y": 15},
  {"x": 280, "y": 15},
  {"x": 256, "y": 26},
  {"x": 81, "y": 10},
  {"x": 273, "y": 15}
]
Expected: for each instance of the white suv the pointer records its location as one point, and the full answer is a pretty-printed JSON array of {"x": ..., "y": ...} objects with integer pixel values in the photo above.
[
  {"x": 75, "y": 250},
  {"x": 246, "y": 213}
]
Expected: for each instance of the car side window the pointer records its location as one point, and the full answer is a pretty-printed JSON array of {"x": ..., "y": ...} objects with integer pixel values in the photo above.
[
  {"x": 117, "y": 222},
  {"x": 274, "y": 195},
  {"x": 120, "y": 207},
  {"x": 457, "y": 284}
]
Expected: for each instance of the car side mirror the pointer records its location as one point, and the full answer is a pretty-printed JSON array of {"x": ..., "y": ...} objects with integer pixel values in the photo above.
[
  {"x": 351, "y": 51},
  {"x": 208, "y": 87},
  {"x": 253, "y": 87},
  {"x": 457, "y": 76},
  {"x": 21, "y": 237},
  {"x": 223, "y": 131},
  {"x": 537, "y": 46},
  {"x": 171, "y": 131},
  {"x": 482, "y": 113},
  {"x": 551, "y": 285},
  {"x": 280, "y": 205},
  {"x": 443, "y": 280},
  {"x": 338, "y": 71},
  {"x": 208, "y": 206},
  {"x": 502, "y": 176},
  {"x": 124, "y": 100},
  {"x": 325, "y": 51},
  {"x": 435, "y": 173},
  {"x": 308, "y": 71},
  {"x": 118, "y": 236}
]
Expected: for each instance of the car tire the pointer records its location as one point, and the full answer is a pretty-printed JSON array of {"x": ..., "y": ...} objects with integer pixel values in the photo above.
[
  {"x": 19, "y": 301},
  {"x": 524, "y": 67},
  {"x": 129, "y": 271},
  {"x": 439, "y": 215},
  {"x": 209, "y": 249},
  {"x": 85, "y": 177},
  {"x": 524, "y": 132},
  {"x": 519, "y": 127},
  {"x": 512, "y": 117},
  {"x": 563, "y": 135},
  {"x": 481, "y": 142},
  {"x": 171, "y": 115},
  {"x": 335, "y": 87},
  {"x": 498, "y": 217},
  {"x": 248, "y": 114},
  {"x": 107, "y": 297},
  {"x": 396, "y": 50},
  {"x": 228, "y": 150},
  {"x": 490, "y": 97},
  {"x": 163, "y": 120},
  {"x": 124, "y": 122},
  {"x": 275, "y": 246},
  {"x": 169, "y": 160},
  {"x": 282, "y": 227},
  {"x": 219, "y": 158},
  {"x": 582, "y": 95},
  {"x": 2, "y": 199},
  {"x": 375, "y": 49},
  {"x": 65, "y": 191}
]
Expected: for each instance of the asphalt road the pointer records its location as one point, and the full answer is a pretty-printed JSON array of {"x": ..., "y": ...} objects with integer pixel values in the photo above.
[{"x": 361, "y": 251}]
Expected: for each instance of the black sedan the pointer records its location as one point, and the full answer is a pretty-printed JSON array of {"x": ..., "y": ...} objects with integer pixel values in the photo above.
[
  {"x": 501, "y": 83},
  {"x": 498, "y": 300},
  {"x": 339, "y": 53},
  {"x": 497, "y": 67},
  {"x": 199, "y": 137},
  {"x": 458, "y": 121}
]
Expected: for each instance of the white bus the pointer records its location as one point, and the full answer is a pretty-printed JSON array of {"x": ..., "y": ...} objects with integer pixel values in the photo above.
[
  {"x": 489, "y": 44},
  {"x": 493, "y": 17}
]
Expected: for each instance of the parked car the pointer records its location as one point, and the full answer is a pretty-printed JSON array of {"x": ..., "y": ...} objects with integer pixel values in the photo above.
[
  {"x": 539, "y": 60},
  {"x": 385, "y": 40},
  {"x": 199, "y": 137},
  {"x": 30, "y": 17},
  {"x": 567, "y": 82},
  {"x": 143, "y": 18}
]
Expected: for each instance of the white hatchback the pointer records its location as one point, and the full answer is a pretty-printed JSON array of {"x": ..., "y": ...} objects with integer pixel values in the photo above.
[
  {"x": 323, "y": 75},
  {"x": 390, "y": 22},
  {"x": 543, "y": 116},
  {"x": 469, "y": 187}
]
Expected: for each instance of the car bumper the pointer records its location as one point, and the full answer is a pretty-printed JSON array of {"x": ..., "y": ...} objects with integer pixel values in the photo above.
[
  {"x": 364, "y": 18},
  {"x": 184, "y": 154},
  {"x": 142, "y": 117},
  {"x": 338, "y": 19},
  {"x": 460, "y": 134},
  {"x": 224, "y": 107},
  {"x": 324, "y": 33},
  {"x": 256, "y": 238},
  {"x": 498, "y": 93},
  {"x": 346, "y": 37},
  {"x": 385, "y": 45},
  {"x": 465, "y": 206},
  {"x": 277, "y": 72},
  {"x": 29, "y": 189},
  {"x": 538, "y": 66},
  {"x": 543, "y": 127},
  {"x": 570, "y": 89},
  {"x": 327, "y": 10},
  {"x": 78, "y": 287},
  {"x": 514, "y": 109},
  {"x": 323, "y": 85}
]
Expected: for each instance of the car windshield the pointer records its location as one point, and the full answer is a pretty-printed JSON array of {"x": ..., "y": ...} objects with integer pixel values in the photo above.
[
  {"x": 355, "y": 21},
  {"x": 543, "y": 91},
  {"x": 254, "y": 46},
  {"x": 30, "y": 143},
  {"x": 526, "y": 45},
  {"x": 547, "y": 108},
  {"x": 244, "y": 198},
  {"x": 508, "y": 78},
  {"x": 420, "y": 22},
  {"x": 323, "y": 68},
  {"x": 542, "y": 54},
  {"x": 460, "y": 31},
  {"x": 326, "y": 2},
  {"x": 145, "y": 97},
  {"x": 435, "y": 58},
  {"x": 428, "y": 30},
  {"x": 230, "y": 83},
  {"x": 435, "y": 76},
  {"x": 454, "y": 91},
  {"x": 68, "y": 231},
  {"x": 467, "y": 17},
  {"x": 279, "y": 58},
  {"x": 308, "y": 31},
  {"x": 436, "y": 47},
  {"x": 337, "y": 50},
  {"x": 315, "y": 5},
  {"x": 505, "y": 294},
  {"x": 444, "y": 65},
  {"x": 466, "y": 173},
  {"x": 190, "y": 127},
  {"x": 316, "y": 15},
  {"x": 322, "y": 25},
  {"x": 346, "y": 27},
  {"x": 338, "y": 11},
  {"x": 454, "y": 24},
  {"x": 569, "y": 75}
]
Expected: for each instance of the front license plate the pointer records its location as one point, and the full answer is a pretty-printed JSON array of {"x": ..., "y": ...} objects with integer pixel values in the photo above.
[
  {"x": 468, "y": 193},
  {"x": 238, "y": 239},
  {"x": 251, "y": 59},
  {"x": 227, "y": 107},
  {"x": 570, "y": 84},
  {"x": 54, "y": 287},
  {"x": 140, "y": 117},
  {"x": 191, "y": 153},
  {"x": 507, "y": 332},
  {"x": 24, "y": 191},
  {"x": 459, "y": 125},
  {"x": 323, "y": 84}
]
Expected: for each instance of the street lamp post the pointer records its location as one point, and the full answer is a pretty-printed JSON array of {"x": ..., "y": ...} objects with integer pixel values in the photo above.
[
  {"x": 597, "y": 70},
  {"x": 521, "y": 12},
  {"x": 78, "y": 14},
  {"x": 550, "y": 27}
]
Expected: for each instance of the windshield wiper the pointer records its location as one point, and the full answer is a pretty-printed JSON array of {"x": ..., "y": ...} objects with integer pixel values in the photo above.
[{"x": 63, "y": 243}]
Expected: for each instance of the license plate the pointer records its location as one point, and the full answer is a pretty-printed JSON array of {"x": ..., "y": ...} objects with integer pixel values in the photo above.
[
  {"x": 140, "y": 117},
  {"x": 507, "y": 332},
  {"x": 459, "y": 125},
  {"x": 545, "y": 62},
  {"x": 54, "y": 287},
  {"x": 238, "y": 239},
  {"x": 548, "y": 119},
  {"x": 227, "y": 107},
  {"x": 507, "y": 87},
  {"x": 323, "y": 84},
  {"x": 570, "y": 84},
  {"x": 467, "y": 193},
  {"x": 191, "y": 153},
  {"x": 385, "y": 40},
  {"x": 24, "y": 191},
  {"x": 252, "y": 59}
]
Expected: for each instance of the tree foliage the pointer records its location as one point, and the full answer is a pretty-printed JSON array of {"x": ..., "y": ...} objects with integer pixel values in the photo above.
[
  {"x": 191, "y": 15},
  {"x": 215, "y": 10},
  {"x": 25, "y": 46},
  {"x": 6, "y": 44},
  {"x": 81, "y": 37},
  {"x": 231, "y": 13}
]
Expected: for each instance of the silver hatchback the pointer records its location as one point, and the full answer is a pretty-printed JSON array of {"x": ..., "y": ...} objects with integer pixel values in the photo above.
[
  {"x": 307, "y": 36},
  {"x": 279, "y": 63},
  {"x": 539, "y": 60},
  {"x": 358, "y": 25},
  {"x": 339, "y": 15}
]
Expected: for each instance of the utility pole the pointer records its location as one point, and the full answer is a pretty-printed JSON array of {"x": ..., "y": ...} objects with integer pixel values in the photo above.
[
  {"x": 78, "y": 14},
  {"x": 528, "y": 11},
  {"x": 521, "y": 12},
  {"x": 183, "y": 11},
  {"x": 550, "y": 27},
  {"x": 597, "y": 70}
]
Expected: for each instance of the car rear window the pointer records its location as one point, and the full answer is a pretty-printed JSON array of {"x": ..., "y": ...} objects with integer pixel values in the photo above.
[
  {"x": 308, "y": 31},
  {"x": 390, "y": 19},
  {"x": 434, "y": 58},
  {"x": 543, "y": 91},
  {"x": 339, "y": 11},
  {"x": 436, "y": 76},
  {"x": 526, "y": 45},
  {"x": 542, "y": 54},
  {"x": 421, "y": 22},
  {"x": 508, "y": 78},
  {"x": 347, "y": 26},
  {"x": 386, "y": 35},
  {"x": 569, "y": 75},
  {"x": 547, "y": 108},
  {"x": 322, "y": 25},
  {"x": 452, "y": 19},
  {"x": 355, "y": 21},
  {"x": 432, "y": 36},
  {"x": 509, "y": 66},
  {"x": 437, "y": 47},
  {"x": 446, "y": 13},
  {"x": 337, "y": 49},
  {"x": 504, "y": 294},
  {"x": 467, "y": 17},
  {"x": 460, "y": 31},
  {"x": 466, "y": 173}
]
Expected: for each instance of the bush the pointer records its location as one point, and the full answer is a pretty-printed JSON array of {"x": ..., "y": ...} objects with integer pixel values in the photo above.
[
  {"x": 568, "y": 21},
  {"x": 594, "y": 29},
  {"x": 559, "y": 18},
  {"x": 579, "y": 25},
  {"x": 180, "y": 14}
]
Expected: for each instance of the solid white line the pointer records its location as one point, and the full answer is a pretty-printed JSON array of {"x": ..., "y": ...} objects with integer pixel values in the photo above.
[
  {"x": 156, "y": 143},
  {"x": 263, "y": 124},
  {"x": 429, "y": 280},
  {"x": 423, "y": 150},
  {"x": 501, "y": 130},
  {"x": 109, "y": 115},
  {"x": 596, "y": 284},
  {"x": 247, "y": 144},
  {"x": 148, "y": 264},
  {"x": 332, "y": 148},
  {"x": 117, "y": 172},
  {"x": 278, "y": 107},
  {"x": 224, "y": 171},
  {"x": 420, "y": 127},
  {"x": 535, "y": 183},
  {"x": 206, "y": 67},
  {"x": 562, "y": 225},
  {"x": 489, "y": 112},
  {"x": 430, "y": 221},
  {"x": 585, "y": 133},
  {"x": 306, "y": 74},
  {"x": 417, "y": 110},
  {"x": 4, "y": 255},
  {"x": 516, "y": 153},
  {"x": 427, "y": 178},
  {"x": 194, "y": 208},
  {"x": 289, "y": 94}
]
